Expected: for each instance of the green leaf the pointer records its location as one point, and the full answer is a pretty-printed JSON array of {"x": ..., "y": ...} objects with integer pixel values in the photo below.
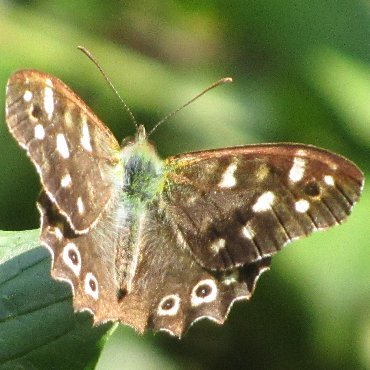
[{"x": 38, "y": 328}]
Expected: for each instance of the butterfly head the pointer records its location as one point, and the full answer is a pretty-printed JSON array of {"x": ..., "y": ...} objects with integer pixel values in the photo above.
[{"x": 139, "y": 145}]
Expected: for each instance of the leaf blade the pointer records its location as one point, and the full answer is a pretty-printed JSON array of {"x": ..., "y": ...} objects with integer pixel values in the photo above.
[{"x": 36, "y": 313}]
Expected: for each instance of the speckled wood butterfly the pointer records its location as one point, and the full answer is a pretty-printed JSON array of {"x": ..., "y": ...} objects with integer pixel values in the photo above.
[{"x": 160, "y": 244}]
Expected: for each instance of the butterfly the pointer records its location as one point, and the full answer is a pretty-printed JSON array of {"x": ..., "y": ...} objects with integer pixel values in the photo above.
[{"x": 159, "y": 244}]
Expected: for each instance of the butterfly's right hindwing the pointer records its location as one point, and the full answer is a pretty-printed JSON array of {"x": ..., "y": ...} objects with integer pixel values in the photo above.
[{"x": 171, "y": 291}]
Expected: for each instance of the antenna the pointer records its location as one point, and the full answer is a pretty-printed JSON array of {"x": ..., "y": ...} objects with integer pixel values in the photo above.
[
  {"x": 91, "y": 57},
  {"x": 170, "y": 115}
]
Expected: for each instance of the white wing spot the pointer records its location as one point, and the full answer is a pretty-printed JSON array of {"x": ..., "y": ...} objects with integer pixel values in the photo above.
[
  {"x": 62, "y": 146},
  {"x": 85, "y": 138},
  {"x": 169, "y": 305},
  {"x": 329, "y": 180},
  {"x": 49, "y": 98},
  {"x": 80, "y": 205},
  {"x": 217, "y": 245},
  {"x": 247, "y": 232},
  {"x": 264, "y": 202},
  {"x": 204, "y": 292},
  {"x": 297, "y": 171},
  {"x": 72, "y": 258},
  {"x": 66, "y": 181},
  {"x": 228, "y": 179},
  {"x": 27, "y": 96},
  {"x": 302, "y": 205},
  {"x": 39, "y": 132},
  {"x": 91, "y": 285}
]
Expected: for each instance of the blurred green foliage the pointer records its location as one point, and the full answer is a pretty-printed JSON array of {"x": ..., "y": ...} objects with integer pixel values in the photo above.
[{"x": 301, "y": 74}]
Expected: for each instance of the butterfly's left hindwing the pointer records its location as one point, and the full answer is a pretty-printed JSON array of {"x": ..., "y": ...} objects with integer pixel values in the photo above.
[
  {"x": 78, "y": 260},
  {"x": 170, "y": 290},
  {"x": 235, "y": 206}
]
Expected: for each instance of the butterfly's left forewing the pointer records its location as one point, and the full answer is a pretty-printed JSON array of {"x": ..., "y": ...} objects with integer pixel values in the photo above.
[
  {"x": 235, "y": 206},
  {"x": 75, "y": 155}
]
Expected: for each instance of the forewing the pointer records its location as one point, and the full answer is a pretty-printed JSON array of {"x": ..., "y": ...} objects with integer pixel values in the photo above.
[
  {"x": 75, "y": 155},
  {"x": 235, "y": 206}
]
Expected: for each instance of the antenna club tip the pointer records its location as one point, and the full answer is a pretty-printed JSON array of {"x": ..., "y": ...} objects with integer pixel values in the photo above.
[
  {"x": 86, "y": 52},
  {"x": 226, "y": 80}
]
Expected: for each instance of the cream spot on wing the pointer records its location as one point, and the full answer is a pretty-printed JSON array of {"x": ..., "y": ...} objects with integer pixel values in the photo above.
[
  {"x": 297, "y": 170},
  {"x": 329, "y": 180},
  {"x": 169, "y": 305},
  {"x": 262, "y": 172},
  {"x": 68, "y": 117},
  {"x": 27, "y": 96},
  {"x": 85, "y": 138},
  {"x": 91, "y": 285},
  {"x": 247, "y": 232},
  {"x": 66, "y": 181},
  {"x": 192, "y": 199},
  {"x": 72, "y": 258},
  {"x": 228, "y": 179},
  {"x": 58, "y": 233},
  {"x": 204, "y": 291},
  {"x": 231, "y": 278},
  {"x": 302, "y": 205},
  {"x": 80, "y": 205},
  {"x": 264, "y": 202},
  {"x": 180, "y": 238},
  {"x": 217, "y": 245},
  {"x": 39, "y": 132},
  {"x": 49, "y": 98},
  {"x": 62, "y": 146}
]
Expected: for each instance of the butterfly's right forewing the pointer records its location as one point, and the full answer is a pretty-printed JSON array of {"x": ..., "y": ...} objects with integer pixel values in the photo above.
[{"x": 235, "y": 206}]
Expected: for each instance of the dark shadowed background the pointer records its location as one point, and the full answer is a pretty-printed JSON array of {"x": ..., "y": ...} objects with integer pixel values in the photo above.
[{"x": 301, "y": 73}]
